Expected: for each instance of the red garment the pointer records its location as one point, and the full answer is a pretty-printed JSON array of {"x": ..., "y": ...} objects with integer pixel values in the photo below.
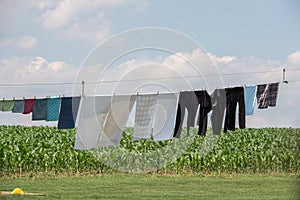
[{"x": 28, "y": 106}]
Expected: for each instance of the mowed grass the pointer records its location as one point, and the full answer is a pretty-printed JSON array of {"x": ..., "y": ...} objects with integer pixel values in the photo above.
[{"x": 155, "y": 186}]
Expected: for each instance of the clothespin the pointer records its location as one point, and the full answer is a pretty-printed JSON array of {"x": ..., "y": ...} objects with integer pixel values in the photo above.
[
  {"x": 13, "y": 98},
  {"x": 157, "y": 92},
  {"x": 137, "y": 93},
  {"x": 114, "y": 94}
]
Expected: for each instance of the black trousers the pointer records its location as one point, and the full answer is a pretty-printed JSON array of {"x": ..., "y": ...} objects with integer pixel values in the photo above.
[
  {"x": 191, "y": 101},
  {"x": 218, "y": 100},
  {"x": 234, "y": 96},
  {"x": 187, "y": 100},
  {"x": 205, "y": 107}
]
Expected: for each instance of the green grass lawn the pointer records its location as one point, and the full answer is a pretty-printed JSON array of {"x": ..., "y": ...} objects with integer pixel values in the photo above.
[{"x": 148, "y": 186}]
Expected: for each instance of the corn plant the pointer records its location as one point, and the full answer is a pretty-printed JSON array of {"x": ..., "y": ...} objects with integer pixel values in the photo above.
[{"x": 33, "y": 150}]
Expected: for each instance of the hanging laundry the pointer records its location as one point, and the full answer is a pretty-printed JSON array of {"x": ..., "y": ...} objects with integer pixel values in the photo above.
[
  {"x": 53, "y": 108},
  {"x": 234, "y": 96},
  {"x": 18, "y": 106},
  {"x": 191, "y": 101},
  {"x": 267, "y": 95},
  {"x": 187, "y": 100},
  {"x": 28, "y": 106},
  {"x": 145, "y": 106},
  {"x": 218, "y": 100},
  {"x": 164, "y": 116},
  {"x": 205, "y": 107},
  {"x": 39, "y": 109},
  {"x": 250, "y": 92},
  {"x": 116, "y": 120},
  {"x": 92, "y": 115},
  {"x": 6, "y": 105},
  {"x": 68, "y": 112}
]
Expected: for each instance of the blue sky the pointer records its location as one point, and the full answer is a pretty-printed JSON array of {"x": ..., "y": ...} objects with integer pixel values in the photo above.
[{"x": 44, "y": 41}]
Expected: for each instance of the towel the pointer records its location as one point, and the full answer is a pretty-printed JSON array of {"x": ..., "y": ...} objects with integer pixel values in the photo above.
[
  {"x": 28, "y": 106},
  {"x": 53, "y": 108},
  {"x": 18, "y": 106},
  {"x": 68, "y": 112},
  {"x": 145, "y": 105},
  {"x": 91, "y": 117},
  {"x": 6, "y": 105},
  {"x": 39, "y": 110},
  {"x": 116, "y": 120},
  {"x": 164, "y": 116},
  {"x": 250, "y": 92}
]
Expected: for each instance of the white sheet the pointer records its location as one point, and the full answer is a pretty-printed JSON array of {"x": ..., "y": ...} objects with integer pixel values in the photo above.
[
  {"x": 116, "y": 120},
  {"x": 165, "y": 115},
  {"x": 92, "y": 115}
]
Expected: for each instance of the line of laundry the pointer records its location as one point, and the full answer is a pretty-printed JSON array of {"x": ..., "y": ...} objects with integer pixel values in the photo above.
[{"x": 101, "y": 120}]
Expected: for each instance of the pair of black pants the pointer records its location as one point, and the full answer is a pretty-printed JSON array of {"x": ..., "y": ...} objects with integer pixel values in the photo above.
[
  {"x": 218, "y": 101},
  {"x": 205, "y": 107},
  {"x": 191, "y": 101},
  {"x": 234, "y": 96}
]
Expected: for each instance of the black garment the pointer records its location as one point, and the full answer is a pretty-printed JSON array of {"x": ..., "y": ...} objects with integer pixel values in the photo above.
[
  {"x": 68, "y": 112},
  {"x": 191, "y": 101},
  {"x": 218, "y": 101},
  {"x": 234, "y": 96},
  {"x": 205, "y": 107}
]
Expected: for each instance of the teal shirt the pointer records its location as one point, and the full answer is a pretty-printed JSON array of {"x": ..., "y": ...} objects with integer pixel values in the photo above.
[{"x": 53, "y": 108}]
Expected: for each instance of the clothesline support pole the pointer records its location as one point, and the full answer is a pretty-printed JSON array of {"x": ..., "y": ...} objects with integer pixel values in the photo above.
[
  {"x": 283, "y": 76},
  {"x": 82, "y": 89}
]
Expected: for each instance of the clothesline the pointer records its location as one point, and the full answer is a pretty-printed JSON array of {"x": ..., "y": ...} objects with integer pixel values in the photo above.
[
  {"x": 136, "y": 93},
  {"x": 102, "y": 119},
  {"x": 144, "y": 79}
]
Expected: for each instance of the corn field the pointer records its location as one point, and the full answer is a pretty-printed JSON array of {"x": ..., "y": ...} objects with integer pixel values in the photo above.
[{"x": 27, "y": 151}]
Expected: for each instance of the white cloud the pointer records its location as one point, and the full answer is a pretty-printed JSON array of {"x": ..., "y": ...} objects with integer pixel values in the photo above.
[
  {"x": 89, "y": 30},
  {"x": 196, "y": 68},
  {"x": 19, "y": 70},
  {"x": 250, "y": 70},
  {"x": 89, "y": 20},
  {"x": 26, "y": 42},
  {"x": 294, "y": 58},
  {"x": 221, "y": 60}
]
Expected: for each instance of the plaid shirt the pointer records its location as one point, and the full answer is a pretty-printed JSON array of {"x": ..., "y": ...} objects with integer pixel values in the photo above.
[
  {"x": 267, "y": 95},
  {"x": 144, "y": 115}
]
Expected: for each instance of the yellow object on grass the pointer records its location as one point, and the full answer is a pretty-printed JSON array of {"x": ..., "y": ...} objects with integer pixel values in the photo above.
[{"x": 17, "y": 191}]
